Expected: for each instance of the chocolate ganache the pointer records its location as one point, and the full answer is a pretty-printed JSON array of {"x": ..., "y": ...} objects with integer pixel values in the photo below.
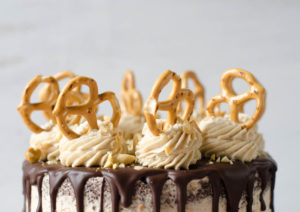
[{"x": 231, "y": 179}]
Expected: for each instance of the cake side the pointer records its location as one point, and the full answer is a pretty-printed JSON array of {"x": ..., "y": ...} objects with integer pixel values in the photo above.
[{"x": 211, "y": 187}]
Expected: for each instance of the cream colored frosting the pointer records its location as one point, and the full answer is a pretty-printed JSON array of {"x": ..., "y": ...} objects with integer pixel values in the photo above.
[
  {"x": 177, "y": 147},
  {"x": 131, "y": 123},
  {"x": 47, "y": 142},
  {"x": 132, "y": 127},
  {"x": 101, "y": 147},
  {"x": 224, "y": 137},
  {"x": 198, "y": 116}
]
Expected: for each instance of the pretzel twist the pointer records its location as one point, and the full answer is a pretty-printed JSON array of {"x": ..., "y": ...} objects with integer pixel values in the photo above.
[
  {"x": 131, "y": 97},
  {"x": 237, "y": 101},
  {"x": 26, "y": 107},
  {"x": 75, "y": 96},
  {"x": 177, "y": 94},
  {"x": 87, "y": 109},
  {"x": 199, "y": 89},
  {"x": 45, "y": 91}
]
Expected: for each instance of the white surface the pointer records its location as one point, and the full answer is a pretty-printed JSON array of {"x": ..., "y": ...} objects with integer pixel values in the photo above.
[{"x": 104, "y": 38}]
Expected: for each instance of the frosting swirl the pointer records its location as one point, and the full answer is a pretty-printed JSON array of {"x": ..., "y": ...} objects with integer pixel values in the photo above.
[
  {"x": 47, "y": 142},
  {"x": 101, "y": 147},
  {"x": 224, "y": 137},
  {"x": 132, "y": 127},
  {"x": 177, "y": 147},
  {"x": 131, "y": 124}
]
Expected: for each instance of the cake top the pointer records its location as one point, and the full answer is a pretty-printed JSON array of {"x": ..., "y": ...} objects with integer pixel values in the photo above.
[{"x": 76, "y": 136}]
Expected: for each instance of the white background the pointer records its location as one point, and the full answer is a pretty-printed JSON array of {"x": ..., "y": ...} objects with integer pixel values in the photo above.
[{"x": 102, "y": 39}]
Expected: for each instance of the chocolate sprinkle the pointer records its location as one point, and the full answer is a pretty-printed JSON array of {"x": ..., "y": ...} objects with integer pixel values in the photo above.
[{"x": 236, "y": 179}]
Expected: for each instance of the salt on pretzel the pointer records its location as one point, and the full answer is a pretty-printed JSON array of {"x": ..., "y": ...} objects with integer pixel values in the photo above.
[
  {"x": 26, "y": 107},
  {"x": 131, "y": 97},
  {"x": 199, "y": 89},
  {"x": 177, "y": 94},
  {"x": 88, "y": 109},
  {"x": 236, "y": 101}
]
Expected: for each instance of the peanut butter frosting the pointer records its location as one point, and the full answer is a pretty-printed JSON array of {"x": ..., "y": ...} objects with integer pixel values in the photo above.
[
  {"x": 224, "y": 137},
  {"x": 131, "y": 123},
  {"x": 177, "y": 147},
  {"x": 101, "y": 147},
  {"x": 131, "y": 126},
  {"x": 47, "y": 142}
]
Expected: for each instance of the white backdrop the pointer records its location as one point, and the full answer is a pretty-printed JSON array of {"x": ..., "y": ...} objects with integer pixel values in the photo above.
[{"x": 102, "y": 39}]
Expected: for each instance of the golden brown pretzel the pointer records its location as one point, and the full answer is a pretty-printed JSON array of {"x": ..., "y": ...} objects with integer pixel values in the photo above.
[
  {"x": 75, "y": 96},
  {"x": 45, "y": 92},
  {"x": 26, "y": 108},
  {"x": 199, "y": 89},
  {"x": 87, "y": 109},
  {"x": 236, "y": 102},
  {"x": 171, "y": 104},
  {"x": 131, "y": 97}
]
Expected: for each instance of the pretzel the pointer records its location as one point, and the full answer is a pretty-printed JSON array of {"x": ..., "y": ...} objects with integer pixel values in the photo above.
[
  {"x": 75, "y": 96},
  {"x": 236, "y": 102},
  {"x": 87, "y": 109},
  {"x": 131, "y": 97},
  {"x": 199, "y": 89},
  {"x": 45, "y": 91},
  {"x": 152, "y": 105},
  {"x": 26, "y": 108}
]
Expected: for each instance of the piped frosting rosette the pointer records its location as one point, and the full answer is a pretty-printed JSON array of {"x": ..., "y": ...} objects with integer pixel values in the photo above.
[
  {"x": 174, "y": 142},
  {"x": 234, "y": 135},
  {"x": 102, "y": 147},
  {"x": 132, "y": 119},
  {"x": 47, "y": 142},
  {"x": 177, "y": 147},
  {"x": 224, "y": 137}
]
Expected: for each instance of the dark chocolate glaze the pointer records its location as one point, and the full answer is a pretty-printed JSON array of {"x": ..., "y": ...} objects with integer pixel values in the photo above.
[{"x": 236, "y": 179}]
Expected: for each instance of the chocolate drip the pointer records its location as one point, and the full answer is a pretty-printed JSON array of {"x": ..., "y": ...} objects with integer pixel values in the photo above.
[
  {"x": 28, "y": 194},
  {"x": 216, "y": 184},
  {"x": 237, "y": 176},
  {"x": 78, "y": 181},
  {"x": 181, "y": 183},
  {"x": 55, "y": 181},
  {"x": 234, "y": 179},
  {"x": 115, "y": 197},
  {"x": 250, "y": 187},
  {"x": 272, "y": 188},
  {"x": 39, "y": 185},
  {"x": 102, "y": 196},
  {"x": 156, "y": 183}
]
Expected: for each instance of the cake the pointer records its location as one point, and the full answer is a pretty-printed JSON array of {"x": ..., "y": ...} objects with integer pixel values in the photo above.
[{"x": 195, "y": 159}]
